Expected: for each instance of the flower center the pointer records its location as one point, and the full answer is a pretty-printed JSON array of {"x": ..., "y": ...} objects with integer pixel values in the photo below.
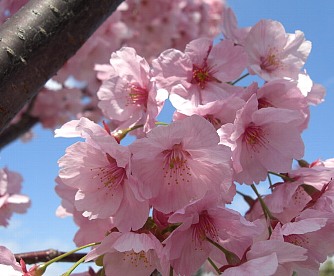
[
  {"x": 270, "y": 62},
  {"x": 255, "y": 137},
  {"x": 137, "y": 259},
  {"x": 175, "y": 165},
  {"x": 263, "y": 103},
  {"x": 299, "y": 240},
  {"x": 213, "y": 120},
  {"x": 110, "y": 176},
  {"x": 137, "y": 95},
  {"x": 204, "y": 228},
  {"x": 202, "y": 75}
]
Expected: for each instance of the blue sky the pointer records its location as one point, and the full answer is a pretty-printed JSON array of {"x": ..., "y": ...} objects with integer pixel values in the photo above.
[{"x": 37, "y": 160}]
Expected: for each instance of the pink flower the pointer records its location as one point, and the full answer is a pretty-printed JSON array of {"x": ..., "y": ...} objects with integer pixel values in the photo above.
[
  {"x": 217, "y": 113},
  {"x": 262, "y": 140},
  {"x": 10, "y": 267},
  {"x": 54, "y": 108},
  {"x": 128, "y": 254},
  {"x": 272, "y": 53},
  {"x": 188, "y": 247},
  {"x": 90, "y": 230},
  {"x": 230, "y": 28},
  {"x": 198, "y": 74},
  {"x": 270, "y": 257},
  {"x": 128, "y": 95},
  {"x": 308, "y": 231},
  {"x": 11, "y": 199},
  {"x": 99, "y": 169},
  {"x": 179, "y": 163}
]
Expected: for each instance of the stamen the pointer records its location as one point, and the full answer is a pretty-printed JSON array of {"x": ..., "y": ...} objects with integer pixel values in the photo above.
[
  {"x": 299, "y": 240},
  {"x": 255, "y": 137},
  {"x": 270, "y": 62},
  {"x": 202, "y": 75},
  {"x": 204, "y": 228},
  {"x": 213, "y": 120},
  {"x": 110, "y": 176},
  {"x": 137, "y": 259},
  {"x": 175, "y": 165},
  {"x": 137, "y": 95},
  {"x": 263, "y": 103}
]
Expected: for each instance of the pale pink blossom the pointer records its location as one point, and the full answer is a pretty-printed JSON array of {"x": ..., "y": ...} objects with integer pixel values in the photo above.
[
  {"x": 308, "y": 231},
  {"x": 314, "y": 93},
  {"x": 199, "y": 74},
  {"x": 128, "y": 95},
  {"x": 11, "y": 199},
  {"x": 56, "y": 107},
  {"x": 10, "y": 267},
  {"x": 89, "y": 230},
  {"x": 99, "y": 169},
  {"x": 188, "y": 247},
  {"x": 230, "y": 28},
  {"x": 128, "y": 254},
  {"x": 180, "y": 21},
  {"x": 217, "y": 113},
  {"x": 270, "y": 257},
  {"x": 262, "y": 140},
  {"x": 180, "y": 162},
  {"x": 273, "y": 53}
]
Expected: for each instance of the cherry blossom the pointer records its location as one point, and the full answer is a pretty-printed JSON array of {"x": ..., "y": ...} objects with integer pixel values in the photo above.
[
  {"x": 129, "y": 254},
  {"x": 257, "y": 135},
  {"x": 199, "y": 74},
  {"x": 10, "y": 267},
  {"x": 188, "y": 246},
  {"x": 273, "y": 53},
  {"x": 11, "y": 199},
  {"x": 98, "y": 168},
  {"x": 128, "y": 95},
  {"x": 179, "y": 163}
]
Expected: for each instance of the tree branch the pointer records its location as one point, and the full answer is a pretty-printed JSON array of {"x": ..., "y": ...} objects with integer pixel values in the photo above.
[
  {"x": 37, "y": 41},
  {"x": 47, "y": 255}
]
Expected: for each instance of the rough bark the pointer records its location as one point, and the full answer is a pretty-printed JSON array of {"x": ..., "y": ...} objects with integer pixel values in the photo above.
[{"x": 37, "y": 41}]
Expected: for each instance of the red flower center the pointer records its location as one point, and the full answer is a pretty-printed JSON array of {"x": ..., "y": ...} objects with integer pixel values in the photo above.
[
  {"x": 255, "y": 137},
  {"x": 202, "y": 75},
  {"x": 138, "y": 95},
  {"x": 204, "y": 228}
]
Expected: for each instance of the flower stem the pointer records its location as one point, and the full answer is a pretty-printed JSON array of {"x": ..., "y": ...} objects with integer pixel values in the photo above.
[
  {"x": 231, "y": 258},
  {"x": 45, "y": 265},
  {"x": 214, "y": 266},
  {"x": 270, "y": 183},
  {"x": 239, "y": 79},
  {"x": 171, "y": 271},
  {"x": 74, "y": 266},
  {"x": 284, "y": 177}
]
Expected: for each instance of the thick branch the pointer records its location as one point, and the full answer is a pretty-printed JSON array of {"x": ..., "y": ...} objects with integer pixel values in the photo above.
[
  {"x": 37, "y": 41},
  {"x": 14, "y": 131}
]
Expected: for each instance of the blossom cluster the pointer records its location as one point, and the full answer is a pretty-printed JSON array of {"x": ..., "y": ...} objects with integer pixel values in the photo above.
[
  {"x": 135, "y": 23},
  {"x": 161, "y": 203}
]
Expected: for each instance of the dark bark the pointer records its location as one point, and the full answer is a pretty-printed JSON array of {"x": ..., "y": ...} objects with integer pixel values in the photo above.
[{"x": 37, "y": 41}]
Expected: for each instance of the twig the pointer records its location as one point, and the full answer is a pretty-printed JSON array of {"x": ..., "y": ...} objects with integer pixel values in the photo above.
[{"x": 47, "y": 255}]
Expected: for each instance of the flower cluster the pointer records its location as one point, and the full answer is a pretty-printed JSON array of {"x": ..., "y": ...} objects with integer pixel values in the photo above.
[
  {"x": 138, "y": 24},
  {"x": 161, "y": 203}
]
